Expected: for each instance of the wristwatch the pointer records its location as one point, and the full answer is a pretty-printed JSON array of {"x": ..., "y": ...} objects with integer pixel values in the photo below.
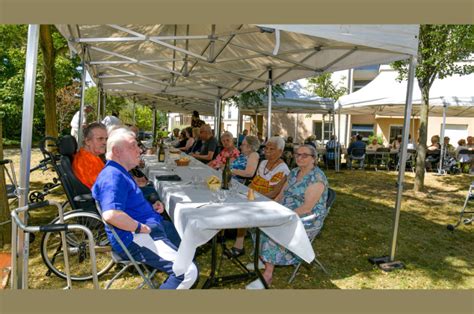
[{"x": 139, "y": 228}]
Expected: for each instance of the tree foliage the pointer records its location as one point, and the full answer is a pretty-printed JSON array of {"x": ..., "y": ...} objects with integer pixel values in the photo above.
[
  {"x": 440, "y": 52},
  {"x": 254, "y": 99},
  {"x": 323, "y": 86},
  {"x": 12, "y": 71}
]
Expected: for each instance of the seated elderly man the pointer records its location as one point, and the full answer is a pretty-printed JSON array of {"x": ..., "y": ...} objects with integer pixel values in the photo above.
[
  {"x": 305, "y": 192},
  {"x": 209, "y": 145},
  {"x": 87, "y": 164},
  {"x": 137, "y": 223}
]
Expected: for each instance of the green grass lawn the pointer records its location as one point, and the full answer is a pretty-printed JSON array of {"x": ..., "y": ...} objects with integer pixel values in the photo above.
[{"x": 359, "y": 226}]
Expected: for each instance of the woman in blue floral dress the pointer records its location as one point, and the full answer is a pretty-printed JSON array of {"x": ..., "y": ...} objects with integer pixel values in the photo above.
[{"x": 305, "y": 192}]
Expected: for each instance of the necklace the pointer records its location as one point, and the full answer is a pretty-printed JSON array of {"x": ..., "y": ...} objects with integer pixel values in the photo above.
[{"x": 267, "y": 169}]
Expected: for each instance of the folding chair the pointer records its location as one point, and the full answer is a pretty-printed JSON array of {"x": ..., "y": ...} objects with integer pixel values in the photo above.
[
  {"x": 141, "y": 268},
  {"x": 329, "y": 203}
]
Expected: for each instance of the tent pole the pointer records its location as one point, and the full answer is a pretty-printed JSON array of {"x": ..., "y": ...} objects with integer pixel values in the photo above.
[
  {"x": 218, "y": 116},
  {"x": 239, "y": 124},
  {"x": 296, "y": 128},
  {"x": 21, "y": 239},
  {"x": 154, "y": 122},
  {"x": 134, "y": 115},
  {"x": 443, "y": 148},
  {"x": 338, "y": 147},
  {"x": 269, "y": 109},
  {"x": 403, "y": 157},
  {"x": 83, "y": 96},
  {"x": 322, "y": 128},
  {"x": 99, "y": 100}
]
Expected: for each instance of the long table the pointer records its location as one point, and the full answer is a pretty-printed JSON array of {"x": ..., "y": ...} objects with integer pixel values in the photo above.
[{"x": 197, "y": 220}]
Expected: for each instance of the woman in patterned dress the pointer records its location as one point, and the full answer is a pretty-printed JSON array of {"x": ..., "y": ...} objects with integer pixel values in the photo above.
[
  {"x": 305, "y": 192},
  {"x": 228, "y": 151}
]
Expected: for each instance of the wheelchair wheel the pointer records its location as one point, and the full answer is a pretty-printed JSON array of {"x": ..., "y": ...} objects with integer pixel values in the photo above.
[
  {"x": 36, "y": 197},
  {"x": 78, "y": 247}
]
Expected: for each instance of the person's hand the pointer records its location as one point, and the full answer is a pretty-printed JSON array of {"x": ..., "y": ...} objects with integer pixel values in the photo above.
[
  {"x": 141, "y": 181},
  {"x": 158, "y": 206},
  {"x": 145, "y": 229}
]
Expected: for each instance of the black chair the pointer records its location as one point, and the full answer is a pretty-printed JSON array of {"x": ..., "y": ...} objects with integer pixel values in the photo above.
[
  {"x": 329, "y": 203},
  {"x": 67, "y": 147},
  {"x": 357, "y": 154},
  {"x": 432, "y": 159},
  {"x": 465, "y": 157}
]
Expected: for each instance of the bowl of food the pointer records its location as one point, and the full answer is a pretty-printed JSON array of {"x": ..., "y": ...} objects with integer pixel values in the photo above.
[
  {"x": 213, "y": 183},
  {"x": 183, "y": 161}
]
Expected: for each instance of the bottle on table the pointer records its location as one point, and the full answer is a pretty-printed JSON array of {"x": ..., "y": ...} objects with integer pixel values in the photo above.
[
  {"x": 226, "y": 175},
  {"x": 161, "y": 152}
]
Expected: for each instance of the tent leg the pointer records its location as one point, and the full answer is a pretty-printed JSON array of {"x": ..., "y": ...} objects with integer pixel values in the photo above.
[
  {"x": 269, "y": 113},
  {"x": 83, "y": 96},
  {"x": 20, "y": 260},
  {"x": 392, "y": 264},
  {"x": 443, "y": 148}
]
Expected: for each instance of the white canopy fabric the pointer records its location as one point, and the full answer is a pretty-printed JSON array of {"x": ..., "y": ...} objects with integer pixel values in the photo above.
[
  {"x": 386, "y": 96},
  {"x": 296, "y": 99},
  {"x": 218, "y": 61}
]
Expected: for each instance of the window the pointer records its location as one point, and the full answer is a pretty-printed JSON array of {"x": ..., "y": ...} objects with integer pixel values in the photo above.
[
  {"x": 395, "y": 130},
  {"x": 365, "y": 130},
  {"x": 317, "y": 129},
  {"x": 229, "y": 113},
  {"x": 318, "y": 132}
]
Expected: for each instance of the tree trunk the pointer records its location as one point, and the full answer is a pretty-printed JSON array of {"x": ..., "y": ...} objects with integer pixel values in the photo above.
[
  {"x": 5, "y": 229},
  {"x": 49, "y": 55},
  {"x": 421, "y": 147}
]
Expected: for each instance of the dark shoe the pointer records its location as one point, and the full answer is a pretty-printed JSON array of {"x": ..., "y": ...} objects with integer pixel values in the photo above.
[{"x": 235, "y": 252}]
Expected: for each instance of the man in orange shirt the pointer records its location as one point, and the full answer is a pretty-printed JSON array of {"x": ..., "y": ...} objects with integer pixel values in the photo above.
[{"x": 86, "y": 163}]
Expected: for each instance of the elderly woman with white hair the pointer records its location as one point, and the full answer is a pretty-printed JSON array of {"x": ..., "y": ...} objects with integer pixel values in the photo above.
[
  {"x": 305, "y": 192},
  {"x": 269, "y": 180},
  {"x": 228, "y": 151},
  {"x": 272, "y": 172}
]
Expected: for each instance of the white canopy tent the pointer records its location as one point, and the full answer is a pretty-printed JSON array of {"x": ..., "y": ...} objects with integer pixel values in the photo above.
[
  {"x": 385, "y": 96},
  {"x": 452, "y": 96},
  {"x": 211, "y": 62},
  {"x": 295, "y": 99}
]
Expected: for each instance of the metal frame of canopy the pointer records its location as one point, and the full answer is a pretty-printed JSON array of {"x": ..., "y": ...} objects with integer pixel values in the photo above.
[{"x": 211, "y": 62}]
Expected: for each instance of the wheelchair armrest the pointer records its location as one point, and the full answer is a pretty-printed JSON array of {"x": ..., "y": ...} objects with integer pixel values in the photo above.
[{"x": 83, "y": 198}]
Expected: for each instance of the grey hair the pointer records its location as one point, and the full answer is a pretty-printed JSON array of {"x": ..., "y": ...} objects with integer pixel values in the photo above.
[
  {"x": 227, "y": 134},
  {"x": 253, "y": 142},
  {"x": 117, "y": 137},
  {"x": 278, "y": 141},
  {"x": 311, "y": 148},
  {"x": 91, "y": 127}
]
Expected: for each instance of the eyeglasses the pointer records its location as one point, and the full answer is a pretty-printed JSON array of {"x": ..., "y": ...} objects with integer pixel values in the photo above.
[{"x": 303, "y": 155}]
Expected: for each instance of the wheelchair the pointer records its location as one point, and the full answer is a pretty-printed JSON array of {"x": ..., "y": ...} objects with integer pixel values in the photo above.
[{"x": 84, "y": 212}]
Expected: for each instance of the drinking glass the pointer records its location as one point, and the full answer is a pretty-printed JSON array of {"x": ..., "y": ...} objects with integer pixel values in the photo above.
[
  {"x": 221, "y": 196},
  {"x": 195, "y": 181}
]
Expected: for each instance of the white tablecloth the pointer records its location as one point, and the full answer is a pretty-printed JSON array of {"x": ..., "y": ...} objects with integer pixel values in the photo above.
[{"x": 197, "y": 226}]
